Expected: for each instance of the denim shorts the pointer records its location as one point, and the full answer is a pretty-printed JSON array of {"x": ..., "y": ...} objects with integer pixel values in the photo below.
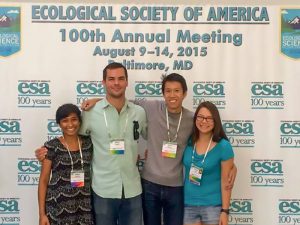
[{"x": 204, "y": 214}]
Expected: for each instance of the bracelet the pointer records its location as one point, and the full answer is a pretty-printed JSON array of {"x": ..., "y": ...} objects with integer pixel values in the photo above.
[{"x": 225, "y": 211}]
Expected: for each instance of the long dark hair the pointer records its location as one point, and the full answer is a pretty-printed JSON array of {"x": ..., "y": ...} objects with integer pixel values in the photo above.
[{"x": 218, "y": 132}]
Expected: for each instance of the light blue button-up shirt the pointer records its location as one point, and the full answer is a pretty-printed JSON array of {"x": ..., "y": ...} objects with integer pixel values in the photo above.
[{"x": 111, "y": 172}]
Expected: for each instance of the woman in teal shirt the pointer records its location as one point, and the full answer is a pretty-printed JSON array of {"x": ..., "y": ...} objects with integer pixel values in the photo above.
[{"x": 208, "y": 159}]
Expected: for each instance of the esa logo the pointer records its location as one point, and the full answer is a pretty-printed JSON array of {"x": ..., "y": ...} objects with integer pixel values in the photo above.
[
  {"x": 269, "y": 89},
  {"x": 289, "y": 211},
  {"x": 290, "y": 128},
  {"x": 289, "y": 206},
  {"x": 238, "y": 128},
  {"x": 90, "y": 88},
  {"x": 10, "y": 132},
  {"x": 87, "y": 89},
  {"x": 28, "y": 171},
  {"x": 267, "y": 173},
  {"x": 290, "y": 134},
  {"x": 34, "y": 94},
  {"x": 241, "y": 211},
  {"x": 9, "y": 206},
  {"x": 208, "y": 89},
  {"x": 38, "y": 88},
  {"x": 240, "y": 132},
  {"x": 266, "y": 167},
  {"x": 10, "y": 126},
  {"x": 148, "y": 89},
  {"x": 29, "y": 166},
  {"x": 241, "y": 206},
  {"x": 53, "y": 128},
  {"x": 267, "y": 95}
]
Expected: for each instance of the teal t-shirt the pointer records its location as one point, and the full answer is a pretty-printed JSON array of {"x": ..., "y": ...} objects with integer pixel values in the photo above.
[{"x": 209, "y": 192}]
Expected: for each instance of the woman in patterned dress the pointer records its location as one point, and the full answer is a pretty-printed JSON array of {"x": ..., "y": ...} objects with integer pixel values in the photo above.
[{"x": 64, "y": 191}]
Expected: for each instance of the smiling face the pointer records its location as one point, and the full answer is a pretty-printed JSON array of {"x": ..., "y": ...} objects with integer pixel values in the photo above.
[
  {"x": 70, "y": 125},
  {"x": 115, "y": 83},
  {"x": 173, "y": 95},
  {"x": 204, "y": 121}
]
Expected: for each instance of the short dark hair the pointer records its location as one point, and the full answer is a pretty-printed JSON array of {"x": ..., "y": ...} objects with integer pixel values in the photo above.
[
  {"x": 114, "y": 65},
  {"x": 218, "y": 131},
  {"x": 174, "y": 77},
  {"x": 65, "y": 110}
]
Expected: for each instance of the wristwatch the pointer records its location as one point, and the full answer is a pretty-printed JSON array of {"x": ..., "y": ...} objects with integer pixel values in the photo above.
[{"x": 225, "y": 211}]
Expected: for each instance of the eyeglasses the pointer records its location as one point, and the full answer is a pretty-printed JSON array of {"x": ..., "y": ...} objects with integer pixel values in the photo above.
[
  {"x": 136, "y": 127},
  {"x": 207, "y": 119}
]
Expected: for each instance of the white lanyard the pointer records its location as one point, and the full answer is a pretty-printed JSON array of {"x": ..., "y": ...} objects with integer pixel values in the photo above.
[
  {"x": 205, "y": 151},
  {"x": 124, "y": 130},
  {"x": 81, "y": 158},
  {"x": 168, "y": 125}
]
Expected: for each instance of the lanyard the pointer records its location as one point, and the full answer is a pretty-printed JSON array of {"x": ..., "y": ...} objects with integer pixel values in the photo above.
[
  {"x": 168, "y": 125},
  {"x": 81, "y": 158},
  {"x": 193, "y": 156},
  {"x": 124, "y": 130}
]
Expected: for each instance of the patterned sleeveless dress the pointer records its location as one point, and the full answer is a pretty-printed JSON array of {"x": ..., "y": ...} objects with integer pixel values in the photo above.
[{"x": 67, "y": 205}]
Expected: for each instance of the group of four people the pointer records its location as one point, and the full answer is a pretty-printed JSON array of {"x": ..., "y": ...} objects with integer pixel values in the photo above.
[{"x": 100, "y": 152}]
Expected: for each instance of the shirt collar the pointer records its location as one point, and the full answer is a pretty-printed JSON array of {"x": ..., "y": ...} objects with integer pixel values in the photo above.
[{"x": 106, "y": 104}]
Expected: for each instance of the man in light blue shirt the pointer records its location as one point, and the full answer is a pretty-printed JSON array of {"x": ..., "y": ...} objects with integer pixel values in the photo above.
[{"x": 114, "y": 125}]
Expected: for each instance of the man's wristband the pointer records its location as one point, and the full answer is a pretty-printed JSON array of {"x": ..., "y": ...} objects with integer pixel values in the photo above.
[{"x": 225, "y": 211}]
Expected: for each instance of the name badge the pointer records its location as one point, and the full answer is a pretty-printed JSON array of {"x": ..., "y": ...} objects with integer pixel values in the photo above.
[
  {"x": 77, "y": 178},
  {"x": 195, "y": 175},
  {"x": 117, "y": 147},
  {"x": 169, "y": 149}
]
